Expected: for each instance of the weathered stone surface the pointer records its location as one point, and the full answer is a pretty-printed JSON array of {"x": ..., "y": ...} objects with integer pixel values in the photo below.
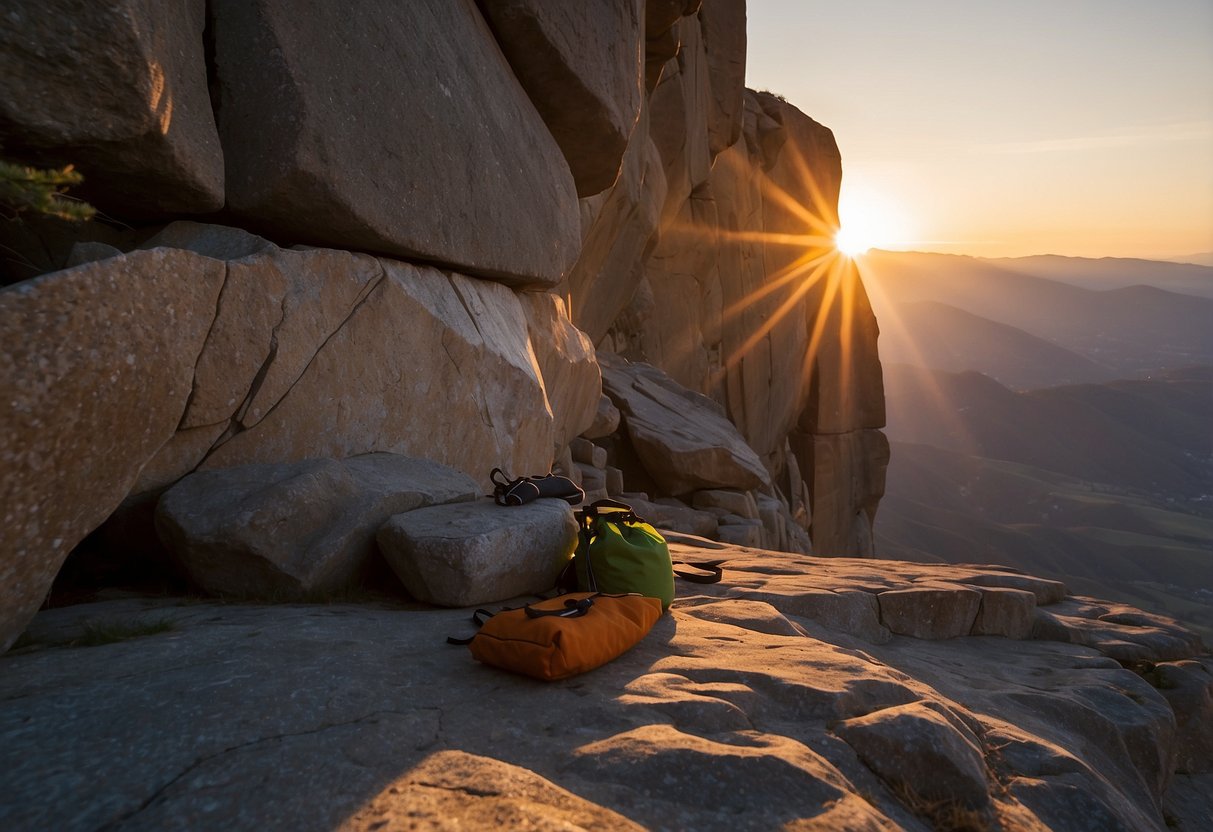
[
  {"x": 745, "y": 533},
  {"x": 475, "y": 553},
  {"x": 930, "y": 611},
  {"x": 305, "y": 717},
  {"x": 1044, "y": 590},
  {"x": 724, "y": 42},
  {"x": 737, "y": 502},
  {"x": 845, "y": 474},
  {"x": 618, "y": 228},
  {"x": 606, "y": 419},
  {"x": 581, "y": 65},
  {"x": 916, "y": 748},
  {"x": 582, "y": 450},
  {"x": 683, "y": 441},
  {"x": 1117, "y": 630},
  {"x": 96, "y": 364},
  {"x": 1188, "y": 688},
  {"x": 568, "y": 366},
  {"x": 1005, "y": 612},
  {"x": 679, "y": 114},
  {"x": 290, "y": 530},
  {"x": 674, "y": 516},
  {"x": 120, "y": 91},
  {"x": 223, "y": 242},
  {"x": 437, "y": 154},
  {"x": 454, "y": 789},
  {"x": 614, "y": 481},
  {"x": 419, "y": 363},
  {"x": 89, "y": 251}
]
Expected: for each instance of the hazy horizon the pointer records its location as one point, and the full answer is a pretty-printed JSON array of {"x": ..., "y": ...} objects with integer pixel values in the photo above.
[{"x": 1079, "y": 129}]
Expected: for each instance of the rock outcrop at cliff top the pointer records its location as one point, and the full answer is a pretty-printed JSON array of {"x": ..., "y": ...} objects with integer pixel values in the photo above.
[{"x": 458, "y": 136}]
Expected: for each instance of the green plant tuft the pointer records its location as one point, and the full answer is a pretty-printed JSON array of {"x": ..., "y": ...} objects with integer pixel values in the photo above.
[{"x": 40, "y": 191}]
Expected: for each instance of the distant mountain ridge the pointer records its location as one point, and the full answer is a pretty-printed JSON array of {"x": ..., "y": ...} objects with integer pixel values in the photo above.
[
  {"x": 1132, "y": 330},
  {"x": 1052, "y": 414}
]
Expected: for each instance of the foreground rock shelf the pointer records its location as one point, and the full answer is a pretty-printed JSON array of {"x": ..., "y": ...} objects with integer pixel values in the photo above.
[{"x": 787, "y": 698}]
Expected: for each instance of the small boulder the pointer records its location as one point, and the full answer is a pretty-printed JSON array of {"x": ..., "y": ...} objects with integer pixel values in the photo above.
[
  {"x": 930, "y": 611},
  {"x": 1005, "y": 612},
  {"x": 475, "y": 553},
  {"x": 734, "y": 502},
  {"x": 683, "y": 438},
  {"x": 606, "y": 419},
  {"x": 915, "y": 748},
  {"x": 288, "y": 530}
]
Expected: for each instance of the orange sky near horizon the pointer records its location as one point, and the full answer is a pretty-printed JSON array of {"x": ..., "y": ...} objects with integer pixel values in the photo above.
[{"x": 1074, "y": 127}]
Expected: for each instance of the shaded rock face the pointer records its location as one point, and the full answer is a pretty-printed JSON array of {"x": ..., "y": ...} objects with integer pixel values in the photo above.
[
  {"x": 437, "y": 153},
  {"x": 120, "y": 91},
  {"x": 580, "y": 64},
  {"x": 96, "y": 366}
]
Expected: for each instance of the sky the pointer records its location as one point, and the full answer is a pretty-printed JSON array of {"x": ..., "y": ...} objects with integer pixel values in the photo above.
[{"x": 1075, "y": 127}]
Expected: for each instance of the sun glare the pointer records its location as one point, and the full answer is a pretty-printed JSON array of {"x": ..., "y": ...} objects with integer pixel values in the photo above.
[{"x": 867, "y": 221}]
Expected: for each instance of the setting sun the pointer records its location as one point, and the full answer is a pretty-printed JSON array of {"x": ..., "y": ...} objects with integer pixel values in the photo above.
[{"x": 868, "y": 220}]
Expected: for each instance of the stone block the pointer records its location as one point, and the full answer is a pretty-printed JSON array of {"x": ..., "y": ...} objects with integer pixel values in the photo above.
[
  {"x": 293, "y": 530},
  {"x": 930, "y": 612},
  {"x": 475, "y": 553}
]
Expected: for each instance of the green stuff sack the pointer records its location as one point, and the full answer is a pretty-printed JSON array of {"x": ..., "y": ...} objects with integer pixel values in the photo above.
[{"x": 618, "y": 552}]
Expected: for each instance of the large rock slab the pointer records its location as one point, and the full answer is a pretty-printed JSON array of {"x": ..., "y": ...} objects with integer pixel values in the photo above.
[
  {"x": 307, "y": 717},
  {"x": 454, "y": 789},
  {"x": 118, "y": 89},
  {"x": 918, "y": 749},
  {"x": 581, "y": 65},
  {"x": 400, "y": 127},
  {"x": 96, "y": 364},
  {"x": 294, "y": 530},
  {"x": 683, "y": 440},
  {"x": 378, "y": 355},
  {"x": 475, "y": 553}
]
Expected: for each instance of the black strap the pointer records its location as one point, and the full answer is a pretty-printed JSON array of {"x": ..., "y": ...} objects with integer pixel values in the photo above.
[
  {"x": 573, "y": 608},
  {"x": 711, "y": 566},
  {"x": 475, "y": 620}
]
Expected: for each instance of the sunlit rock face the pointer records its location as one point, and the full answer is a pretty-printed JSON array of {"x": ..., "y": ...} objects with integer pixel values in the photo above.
[
  {"x": 119, "y": 90},
  {"x": 726, "y": 277}
]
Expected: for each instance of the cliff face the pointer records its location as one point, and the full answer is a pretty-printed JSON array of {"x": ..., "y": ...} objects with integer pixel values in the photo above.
[{"x": 464, "y": 201}]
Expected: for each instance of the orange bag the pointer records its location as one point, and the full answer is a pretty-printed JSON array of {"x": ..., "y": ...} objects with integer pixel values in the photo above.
[{"x": 565, "y": 636}]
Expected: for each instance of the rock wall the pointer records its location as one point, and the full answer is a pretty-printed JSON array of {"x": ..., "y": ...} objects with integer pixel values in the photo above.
[{"x": 406, "y": 228}]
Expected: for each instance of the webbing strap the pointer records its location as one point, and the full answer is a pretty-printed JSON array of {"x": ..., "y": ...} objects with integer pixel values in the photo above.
[
  {"x": 572, "y": 609},
  {"x": 710, "y": 566},
  {"x": 475, "y": 620}
]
